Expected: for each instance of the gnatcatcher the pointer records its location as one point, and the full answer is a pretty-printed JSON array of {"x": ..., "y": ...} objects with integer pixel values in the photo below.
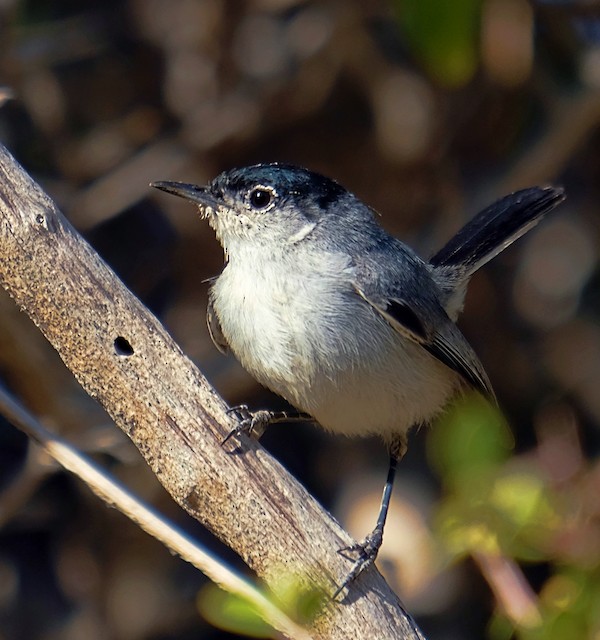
[{"x": 347, "y": 323}]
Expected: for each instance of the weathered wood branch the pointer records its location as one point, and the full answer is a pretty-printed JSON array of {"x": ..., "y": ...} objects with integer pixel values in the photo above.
[
  {"x": 125, "y": 359},
  {"x": 160, "y": 528}
]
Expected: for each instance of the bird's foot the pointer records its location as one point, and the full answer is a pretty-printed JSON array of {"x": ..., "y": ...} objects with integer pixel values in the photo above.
[
  {"x": 252, "y": 423},
  {"x": 363, "y": 553}
]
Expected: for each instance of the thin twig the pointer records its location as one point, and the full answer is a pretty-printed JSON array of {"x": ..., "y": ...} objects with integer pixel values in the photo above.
[
  {"x": 157, "y": 526},
  {"x": 512, "y": 591}
]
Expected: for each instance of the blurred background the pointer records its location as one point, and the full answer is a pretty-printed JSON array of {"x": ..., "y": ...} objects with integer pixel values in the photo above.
[{"x": 427, "y": 110}]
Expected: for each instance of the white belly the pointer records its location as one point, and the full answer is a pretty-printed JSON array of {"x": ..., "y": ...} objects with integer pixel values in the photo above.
[{"x": 341, "y": 362}]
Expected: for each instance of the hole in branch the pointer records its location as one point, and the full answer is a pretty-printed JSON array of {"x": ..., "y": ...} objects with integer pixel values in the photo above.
[{"x": 122, "y": 347}]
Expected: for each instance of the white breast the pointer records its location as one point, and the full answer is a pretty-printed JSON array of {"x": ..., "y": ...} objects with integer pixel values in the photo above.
[
  {"x": 273, "y": 323},
  {"x": 314, "y": 341}
]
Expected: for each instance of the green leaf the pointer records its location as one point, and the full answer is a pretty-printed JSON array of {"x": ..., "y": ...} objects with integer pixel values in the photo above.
[
  {"x": 468, "y": 443},
  {"x": 443, "y": 36},
  {"x": 236, "y": 615},
  {"x": 232, "y": 613}
]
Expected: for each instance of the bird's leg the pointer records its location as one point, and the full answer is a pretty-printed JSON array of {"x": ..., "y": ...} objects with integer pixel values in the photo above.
[
  {"x": 254, "y": 423},
  {"x": 368, "y": 548}
]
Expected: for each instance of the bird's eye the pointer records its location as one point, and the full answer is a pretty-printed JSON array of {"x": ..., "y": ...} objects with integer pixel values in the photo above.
[{"x": 260, "y": 197}]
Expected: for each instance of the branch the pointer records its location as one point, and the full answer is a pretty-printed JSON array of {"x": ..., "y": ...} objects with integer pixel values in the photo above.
[
  {"x": 124, "y": 358},
  {"x": 160, "y": 528},
  {"x": 514, "y": 595}
]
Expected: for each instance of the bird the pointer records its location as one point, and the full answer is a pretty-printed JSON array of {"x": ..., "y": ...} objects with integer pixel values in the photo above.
[{"x": 344, "y": 321}]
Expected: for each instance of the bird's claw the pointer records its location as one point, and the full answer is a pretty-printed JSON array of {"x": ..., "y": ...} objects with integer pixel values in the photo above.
[
  {"x": 364, "y": 553},
  {"x": 252, "y": 423}
]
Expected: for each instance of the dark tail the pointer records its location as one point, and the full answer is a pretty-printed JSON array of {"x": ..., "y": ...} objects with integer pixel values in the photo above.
[{"x": 495, "y": 228}]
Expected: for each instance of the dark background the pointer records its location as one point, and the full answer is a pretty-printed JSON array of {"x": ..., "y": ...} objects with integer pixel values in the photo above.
[{"x": 426, "y": 110}]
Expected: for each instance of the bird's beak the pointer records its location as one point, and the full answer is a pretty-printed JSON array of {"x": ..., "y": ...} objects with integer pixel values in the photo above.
[{"x": 199, "y": 195}]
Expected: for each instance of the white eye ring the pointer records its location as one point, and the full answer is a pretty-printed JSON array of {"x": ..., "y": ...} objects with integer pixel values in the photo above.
[{"x": 261, "y": 197}]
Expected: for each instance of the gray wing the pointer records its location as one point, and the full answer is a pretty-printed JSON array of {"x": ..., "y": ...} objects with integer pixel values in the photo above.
[
  {"x": 214, "y": 328},
  {"x": 404, "y": 293}
]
